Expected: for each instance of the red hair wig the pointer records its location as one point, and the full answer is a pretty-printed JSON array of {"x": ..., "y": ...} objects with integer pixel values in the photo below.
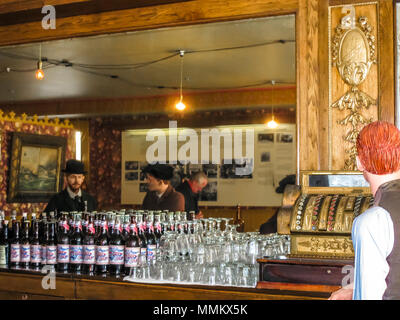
[{"x": 378, "y": 148}]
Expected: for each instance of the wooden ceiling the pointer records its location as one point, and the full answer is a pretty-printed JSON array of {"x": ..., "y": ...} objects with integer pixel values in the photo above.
[{"x": 219, "y": 57}]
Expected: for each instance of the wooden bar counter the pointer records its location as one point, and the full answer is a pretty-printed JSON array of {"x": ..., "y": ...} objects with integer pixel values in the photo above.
[{"x": 26, "y": 284}]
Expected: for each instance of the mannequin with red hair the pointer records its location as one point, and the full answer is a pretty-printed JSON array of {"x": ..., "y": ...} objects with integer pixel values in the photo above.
[{"x": 376, "y": 232}]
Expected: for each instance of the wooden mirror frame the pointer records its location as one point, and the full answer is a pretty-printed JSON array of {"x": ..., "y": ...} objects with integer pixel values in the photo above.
[{"x": 311, "y": 50}]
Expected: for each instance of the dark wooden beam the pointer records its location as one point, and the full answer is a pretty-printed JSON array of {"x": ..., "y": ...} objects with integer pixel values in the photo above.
[
  {"x": 77, "y": 9},
  {"x": 7, "y": 6},
  {"x": 168, "y": 15}
]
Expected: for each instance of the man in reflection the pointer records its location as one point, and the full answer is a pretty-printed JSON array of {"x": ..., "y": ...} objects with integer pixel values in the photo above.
[
  {"x": 271, "y": 225},
  {"x": 161, "y": 195},
  {"x": 72, "y": 198},
  {"x": 191, "y": 189},
  {"x": 375, "y": 232}
]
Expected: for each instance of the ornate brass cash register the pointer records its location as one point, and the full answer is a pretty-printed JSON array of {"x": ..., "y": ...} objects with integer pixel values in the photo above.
[{"x": 318, "y": 216}]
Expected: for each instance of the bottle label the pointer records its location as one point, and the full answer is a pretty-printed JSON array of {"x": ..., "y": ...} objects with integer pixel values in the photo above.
[
  {"x": 36, "y": 253},
  {"x": 76, "y": 254},
  {"x": 126, "y": 227},
  {"x": 63, "y": 253},
  {"x": 116, "y": 254},
  {"x": 44, "y": 254},
  {"x": 51, "y": 254},
  {"x": 3, "y": 255},
  {"x": 25, "y": 253},
  {"x": 158, "y": 227},
  {"x": 143, "y": 251},
  {"x": 15, "y": 255},
  {"x": 102, "y": 255},
  {"x": 131, "y": 257},
  {"x": 151, "y": 252},
  {"x": 89, "y": 254}
]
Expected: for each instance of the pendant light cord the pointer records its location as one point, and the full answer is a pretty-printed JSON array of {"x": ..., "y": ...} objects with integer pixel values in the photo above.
[{"x": 181, "y": 53}]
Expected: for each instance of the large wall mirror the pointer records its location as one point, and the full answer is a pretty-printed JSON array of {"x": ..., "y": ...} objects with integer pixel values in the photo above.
[{"x": 232, "y": 75}]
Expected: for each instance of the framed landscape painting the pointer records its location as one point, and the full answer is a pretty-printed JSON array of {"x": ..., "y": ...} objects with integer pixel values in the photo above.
[{"x": 35, "y": 170}]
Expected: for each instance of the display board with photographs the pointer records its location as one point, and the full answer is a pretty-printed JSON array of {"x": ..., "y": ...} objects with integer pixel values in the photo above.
[{"x": 249, "y": 179}]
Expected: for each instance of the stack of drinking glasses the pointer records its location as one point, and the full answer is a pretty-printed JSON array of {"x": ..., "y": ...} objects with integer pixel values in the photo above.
[{"x": 208, "y": 252}]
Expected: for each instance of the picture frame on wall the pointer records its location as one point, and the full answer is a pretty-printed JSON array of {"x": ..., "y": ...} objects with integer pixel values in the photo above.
[{"x": 35, "y": 167}]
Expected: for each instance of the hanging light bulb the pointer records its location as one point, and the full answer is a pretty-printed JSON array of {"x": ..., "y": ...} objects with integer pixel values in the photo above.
[
  {"x": 39, "y": 72},
  {"x": 272, "y": 124},
  {"x": 180, "y": 105}
]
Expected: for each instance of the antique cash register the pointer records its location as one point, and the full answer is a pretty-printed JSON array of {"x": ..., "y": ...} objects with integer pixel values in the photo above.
[{"x": 318, "y": 216}]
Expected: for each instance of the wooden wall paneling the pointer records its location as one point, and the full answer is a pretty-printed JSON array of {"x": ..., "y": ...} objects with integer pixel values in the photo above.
[
  {"x": 338, "y": 88},
  {"x": 64, "y": 9},
  {"x": 386, "y": 55},
  {"x": 92, "y": 289},
  {"x": 386, "y": 58},
  {"x": 323, "y": 58},
  {"x": 253, "y": 217},
  {"x": 192, "y": 12},
  {"x": 32, "y": 285},
  {"x": 7, "y": 6},
  {"x": 255, "y": 98},
  {"x": 308, "y": 84}
]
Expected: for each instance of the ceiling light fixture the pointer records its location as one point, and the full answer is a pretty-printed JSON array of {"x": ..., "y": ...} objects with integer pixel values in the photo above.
[
  {"x": 272, "y": 124},
  {"x": 39, "y": 72},
  {"x": 180, "y": 105}
]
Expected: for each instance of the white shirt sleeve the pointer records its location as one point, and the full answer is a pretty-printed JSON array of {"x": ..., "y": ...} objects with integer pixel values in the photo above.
[{"x": 373, "y": 241}]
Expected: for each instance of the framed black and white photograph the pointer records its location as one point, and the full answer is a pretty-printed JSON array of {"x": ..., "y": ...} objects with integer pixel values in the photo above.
[
  {"x": 284, "y": 138},
  {"x": 131, "y": 165},
  {"x": 211, "y": 170},
  {"x": 131, "y": 176},
  {"x": 265, "y": 137},
  {"x": 237, "y": 169}
]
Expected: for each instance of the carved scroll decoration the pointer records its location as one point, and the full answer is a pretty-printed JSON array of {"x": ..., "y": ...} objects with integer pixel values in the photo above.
[{"x": 353, "y": 54}]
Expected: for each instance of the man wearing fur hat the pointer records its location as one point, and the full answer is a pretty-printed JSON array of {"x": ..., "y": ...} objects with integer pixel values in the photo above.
[{"x": 161, "y": 195}]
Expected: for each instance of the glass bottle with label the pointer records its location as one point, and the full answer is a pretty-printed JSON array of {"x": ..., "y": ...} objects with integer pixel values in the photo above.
[
  {"x": 15, "y": 249},
  {"x": 44, "y": 238},
  {"x": 125, "y": 228},
  {"x": 89, "y": 248},
  {"x": 51, "y": 245},
  {"x": 33, "y": 219},
  {"x": 117, "y": 246},
  {"x": 11, "y": 225},
  {"x": 132, "y": 249},
  {"x": 141, "y": 234},
  {"x": 63, "y": 247},
  {"x": 102, "y": 249},
  {"x": 151, "y": 239},
  {"x": 25, "y": 246},
  {"x": 157, "y": 229},
  {"x": 4, "y": 246},
  {"x": 76, "y": 249},
  {"x": 36, "y": 248}
]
